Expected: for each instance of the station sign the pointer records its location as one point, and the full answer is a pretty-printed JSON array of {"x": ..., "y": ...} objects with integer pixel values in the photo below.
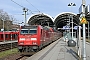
[
  {"x": 66, "y": 27},
  {"x": 75, "y": 27}
]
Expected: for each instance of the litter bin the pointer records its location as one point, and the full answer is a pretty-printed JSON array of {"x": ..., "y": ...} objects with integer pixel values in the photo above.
[{"x": 71, "y": 43}]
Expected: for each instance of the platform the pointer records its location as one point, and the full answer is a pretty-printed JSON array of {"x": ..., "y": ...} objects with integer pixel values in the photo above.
[
  {"x": 7, "y": 42},
  {"x": 87, "y": 50},
  {"x": 56, "y": 51}
]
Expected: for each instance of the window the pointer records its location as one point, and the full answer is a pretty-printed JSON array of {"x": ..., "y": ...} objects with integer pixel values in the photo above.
[
  {"x": 28, "y": 31},
  {"x": 24, "y": 31},
  {"x": 33, "y": 31},
  {"x": 1, "y": 35},
  {"x": 6, "y": 36}
]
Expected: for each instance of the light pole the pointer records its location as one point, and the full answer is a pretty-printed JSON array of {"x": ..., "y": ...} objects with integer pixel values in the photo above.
[
  {"x": 88, "y": 30},
  {"x": 25, "y": 10},
  {"x": 3, "y": 31},
  {"x": 11, "y": 40},
  {"x": 84, "y": 34},
  {"x": 72, "y": 4}
]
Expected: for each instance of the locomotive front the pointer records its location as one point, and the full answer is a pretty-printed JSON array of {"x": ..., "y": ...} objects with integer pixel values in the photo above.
[{"x": 27, "y": 39}]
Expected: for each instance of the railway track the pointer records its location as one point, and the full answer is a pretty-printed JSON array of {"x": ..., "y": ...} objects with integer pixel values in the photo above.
[
  {"x": 25, "y": 55},
  {"x": 4, "y": 47}
]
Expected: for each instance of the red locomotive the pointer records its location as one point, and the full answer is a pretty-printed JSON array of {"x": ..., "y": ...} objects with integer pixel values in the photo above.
[
  {"x": 6, "y": 35},
  {"x": 34, "y": 37}
]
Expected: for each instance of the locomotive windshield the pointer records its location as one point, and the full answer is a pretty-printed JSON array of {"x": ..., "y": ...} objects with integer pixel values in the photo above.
[
  {"x": 33, "y": 31},
  {"x": 28, "y": 31}
]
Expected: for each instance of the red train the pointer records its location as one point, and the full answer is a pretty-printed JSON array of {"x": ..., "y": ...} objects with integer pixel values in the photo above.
[
  {"x": 33, "y": 38},
  {"x": 8, "y": 35}
]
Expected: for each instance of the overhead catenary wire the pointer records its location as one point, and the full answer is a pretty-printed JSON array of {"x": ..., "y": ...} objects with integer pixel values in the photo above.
[
  {"x": 17, "y": 4},
  {"x": 33, "y": 6},
  {"x": 21, "y": 5}
]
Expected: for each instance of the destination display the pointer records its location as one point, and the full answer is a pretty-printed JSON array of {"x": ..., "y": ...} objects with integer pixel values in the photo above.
[{"x": 28, "y": 27}]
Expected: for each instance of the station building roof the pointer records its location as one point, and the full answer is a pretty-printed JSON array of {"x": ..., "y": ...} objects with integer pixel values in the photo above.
[
  {"x": 40, "y": 19},
  {"x": 62, "y": 19},
  {"x": 59, "y": 21}
]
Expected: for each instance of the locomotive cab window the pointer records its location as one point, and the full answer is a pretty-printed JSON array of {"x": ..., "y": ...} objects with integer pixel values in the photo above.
[
  {"x": 24, "y": 31},
  {"x": 28, "y": 31},
  {"x": 33, "y": 31}
]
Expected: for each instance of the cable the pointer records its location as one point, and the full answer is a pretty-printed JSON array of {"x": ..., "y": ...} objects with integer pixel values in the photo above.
[
  {"x": 32, "y": 5},
  {"x": 17, "y": 4},
  {"x": 21, "y": 5}
]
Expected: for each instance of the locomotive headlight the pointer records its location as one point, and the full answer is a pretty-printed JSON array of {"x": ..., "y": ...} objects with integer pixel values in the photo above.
[
  {"x": 34, "y": 43},
  {"x": 22, "y": 39},
  {"x": 34, "y": 39},
  {"x": 21, "y": 43}
]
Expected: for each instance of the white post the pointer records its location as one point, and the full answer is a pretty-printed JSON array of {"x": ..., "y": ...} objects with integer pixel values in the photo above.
[
  {"x": 72, "y": 27},
  {"x": 88, "y": 30},
  {"x": 3, "y": 32},
  {"x": 72, "y": 4},
  {"x": 79, "y": 51},
  {"x": 84, "y": 34},
  {"x": 11, "y": 42}
]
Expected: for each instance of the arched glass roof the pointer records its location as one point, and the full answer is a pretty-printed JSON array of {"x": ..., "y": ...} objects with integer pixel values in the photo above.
[
  {"x": 63, "y": 19},
  {"x": 40, "y": 19}
]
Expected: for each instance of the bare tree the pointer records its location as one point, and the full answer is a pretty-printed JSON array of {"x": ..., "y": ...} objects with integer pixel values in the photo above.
[
  {"x": 8, "y": 19},
  {"x": 4, "y": 15},
  {"x": 12, "y": 18}
]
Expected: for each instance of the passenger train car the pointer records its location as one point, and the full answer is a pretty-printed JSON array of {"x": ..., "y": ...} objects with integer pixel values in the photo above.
[
  {"x": 8, "y": 35},
  {"x": 34, "y": 37}
]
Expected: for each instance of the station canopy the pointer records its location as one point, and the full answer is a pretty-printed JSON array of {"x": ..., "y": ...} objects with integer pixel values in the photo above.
[
  {"x": 60, "y": 20},
  {"x": 63, "y": 19},
  {"x": 40, "y": 19}
]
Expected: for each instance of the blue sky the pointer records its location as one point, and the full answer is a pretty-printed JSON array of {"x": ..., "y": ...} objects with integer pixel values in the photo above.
[{"x": 50, "y": 7}]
